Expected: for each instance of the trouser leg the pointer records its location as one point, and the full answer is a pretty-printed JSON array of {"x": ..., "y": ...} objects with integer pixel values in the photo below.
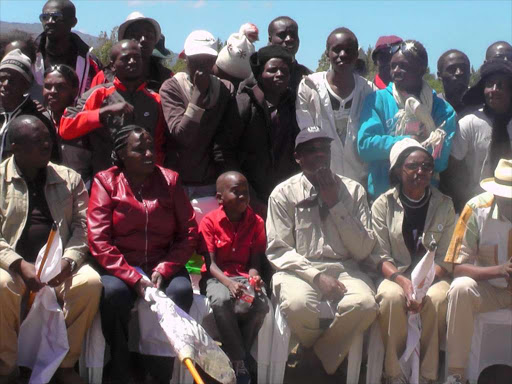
[
  {"x": 179, "y": 289},
  {"x": 115, "y": 306},
  {"x": 80, "y": 295},
  {"x": 12, "y": 289},
  {"x": 356, "y": 311},
  {"x": 251, "y": 322}
]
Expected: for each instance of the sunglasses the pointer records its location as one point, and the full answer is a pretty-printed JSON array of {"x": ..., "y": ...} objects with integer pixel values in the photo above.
[
  {"x": 426, "y": 167},
  {"x": 56, "y": 16}
]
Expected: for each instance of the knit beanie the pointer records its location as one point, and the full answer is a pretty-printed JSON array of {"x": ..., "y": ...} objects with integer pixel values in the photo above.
[
  {"x": 234, "y": 57},
  {"x": 18, "y": 62},
  {"x": 260, "y": 58}
]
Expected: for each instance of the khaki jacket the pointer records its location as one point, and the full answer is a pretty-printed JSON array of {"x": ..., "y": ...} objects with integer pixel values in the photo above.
[
  {"x": 300, "y": 242},
  {"x": 67, "y": 200},
  {"x": 387, "y": 220}
]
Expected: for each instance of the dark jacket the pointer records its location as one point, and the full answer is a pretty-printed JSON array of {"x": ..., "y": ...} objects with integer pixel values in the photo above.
[
  {"x": 84, "y": 119},
  {"x": 158, "y": 233},
  {"x": 266, "y": 140},
  {"x": 199, "y": 144}
]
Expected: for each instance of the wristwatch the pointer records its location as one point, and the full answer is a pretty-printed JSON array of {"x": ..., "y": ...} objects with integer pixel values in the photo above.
[{"x": 72, "y": 263}]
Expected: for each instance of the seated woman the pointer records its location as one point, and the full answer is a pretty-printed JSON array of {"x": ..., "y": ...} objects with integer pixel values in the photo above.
[
  {"x": 406, "y": 217},
  {"x": 408, "y": 107},
  {"x": 139, "y": 221},
  {"x": 60, "y": 89}
]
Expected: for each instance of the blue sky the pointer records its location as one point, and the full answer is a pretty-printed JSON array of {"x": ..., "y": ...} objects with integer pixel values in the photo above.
[{"x": 468, "y": 25}]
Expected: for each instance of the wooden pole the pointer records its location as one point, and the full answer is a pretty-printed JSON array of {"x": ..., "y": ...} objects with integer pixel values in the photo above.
[
  {"x": 193, "y": 371},
  {"x": 51, "y": 236}
]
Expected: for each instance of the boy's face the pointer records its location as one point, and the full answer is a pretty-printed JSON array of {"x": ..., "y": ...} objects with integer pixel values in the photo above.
[{"x": 234, "y": 195}]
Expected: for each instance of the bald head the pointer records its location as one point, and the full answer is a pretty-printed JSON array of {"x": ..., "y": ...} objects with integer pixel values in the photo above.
[
  {"x": 227, "y": 179},
  {"x": 64, "y": 6},
  {"x": 22, "y": 126},
  {"x": 122, "y": 45},
  {"x": 499, "y": 50}
]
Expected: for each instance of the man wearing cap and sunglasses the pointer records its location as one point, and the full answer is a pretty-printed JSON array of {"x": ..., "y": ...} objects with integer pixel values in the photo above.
[
  {"x": 58, "y": 45},
  {"x": 481, "y": 252},
  {"x": 317, "y": 233},
  {"x": 146, "y": 31},
  {"x": 381, "y": 56}
]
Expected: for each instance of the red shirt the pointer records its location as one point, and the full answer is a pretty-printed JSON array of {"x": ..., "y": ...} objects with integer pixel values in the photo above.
[
  {"x": 232, "y": 248},
  {"x": 379, "y": 83}
]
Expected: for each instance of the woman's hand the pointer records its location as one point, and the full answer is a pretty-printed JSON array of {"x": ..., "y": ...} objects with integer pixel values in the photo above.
[
  {"x": 406, "y": 284},
  {"x": 156, "y": 279},
  {"x": 141, "y": 285}
]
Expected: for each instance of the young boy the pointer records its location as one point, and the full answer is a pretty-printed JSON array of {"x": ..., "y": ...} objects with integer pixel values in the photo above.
[{"x": 233, "y": 244}]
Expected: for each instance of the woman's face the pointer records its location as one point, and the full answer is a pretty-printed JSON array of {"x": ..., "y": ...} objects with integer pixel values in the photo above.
[
  {"x": 498, "y": 93},
  {"x": 416, "y": 171},
  {"x": 275, "y": 76},
  {"x": 58, "y": 94},
  {"x": 138, "y": 155},
  {"x": 405, "y": 73}
]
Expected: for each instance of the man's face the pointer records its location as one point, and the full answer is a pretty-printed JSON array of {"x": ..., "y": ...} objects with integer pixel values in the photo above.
[
  {"x": 286, "y": 34},
  {"x": 128, "y": 63},
  {"x": 313, "y": 155},
  {"x": 35, "y": 149},
  {"x": 383, "y": 58},
  {"x": 498, "y": 92},
  {"x": 500, "y": 51},
  {"x": 406, "y": 74},
  {"x": 235, "y": 194},
  {"x": 342, "y": 52},
  {"x": 57, "y": 21},
  {"x": 12, "y": 87},
  {"x": 144, "y": 33},
  {"x": 202, "y": 63},
  {"x": 454, "y": 73}
]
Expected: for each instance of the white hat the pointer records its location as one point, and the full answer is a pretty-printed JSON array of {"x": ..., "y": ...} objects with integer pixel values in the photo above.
[
  {"x": 399, "y": 147},
  {"x": 199, "y": 42},
  {"x": 18, "y": 62},
  {"x": 234, "y": 57},
  {"x": 134, "y": 17},
  {"x": 501, "y": 183}
]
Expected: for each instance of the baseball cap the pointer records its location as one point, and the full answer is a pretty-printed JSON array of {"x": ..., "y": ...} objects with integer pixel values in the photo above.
[
  {"x": 311, "y": 133},
  {"x": 199, "y": 42}
]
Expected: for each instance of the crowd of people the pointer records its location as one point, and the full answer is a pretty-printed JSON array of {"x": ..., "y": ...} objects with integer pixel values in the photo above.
[{"x": 328, "y": 187}]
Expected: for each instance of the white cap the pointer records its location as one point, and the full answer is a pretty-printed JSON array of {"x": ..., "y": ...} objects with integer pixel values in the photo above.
[
  {"x": 134, "y": 17},
  {"x": 501, "y": 183},
  {"x": 399, "y": 147},
  {"x": 200, "y": 43},
  {"x": 234, "y": 57}
]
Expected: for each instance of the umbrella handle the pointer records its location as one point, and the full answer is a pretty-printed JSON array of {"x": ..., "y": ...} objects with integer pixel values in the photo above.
[{"x": 193, "y": 371}]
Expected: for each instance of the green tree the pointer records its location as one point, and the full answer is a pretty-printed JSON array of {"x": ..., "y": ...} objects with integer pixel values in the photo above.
[
  {"x": 323, "y": 63},
  {"x": 179, "y": 66},
  {"x": 105, "y": 45}
]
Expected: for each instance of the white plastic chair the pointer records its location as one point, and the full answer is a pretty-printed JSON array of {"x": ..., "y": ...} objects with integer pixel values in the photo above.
[{"x": 281, "y": 347}]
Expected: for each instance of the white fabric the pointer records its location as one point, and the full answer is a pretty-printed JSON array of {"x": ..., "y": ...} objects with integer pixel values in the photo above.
[
  {"x": 204, "y": 205},
  {"x": 200, "y": 42},
  {"x": 422, "y": 277},
  {"x": 375, "y": 355},
  {"x": 43, "y": 339},
  {"x": 399, "y": 147},
  {"x": 234, "y": 56},
  {"x": 313, "y": 108}
]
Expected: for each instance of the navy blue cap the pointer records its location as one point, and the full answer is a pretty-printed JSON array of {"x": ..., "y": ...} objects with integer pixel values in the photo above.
[{"x": 311, "y": 133}]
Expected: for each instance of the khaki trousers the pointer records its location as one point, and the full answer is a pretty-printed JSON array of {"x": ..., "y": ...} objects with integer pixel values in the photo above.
[
  {"x": 466, "y": 298},
  {"x": 79, "y": 297},
  {"x": 356, "y": 311},
  {"x": 393, "y": 326}
]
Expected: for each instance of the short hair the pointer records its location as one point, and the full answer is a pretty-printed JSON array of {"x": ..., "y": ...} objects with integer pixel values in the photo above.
[
  {"x": 280, "y": 18},
  {"x": 65, "y": 5},
  {"x": 116, "y": 48},
  {"x": 16, "y": 133},
  {"x": 66, "y": 71},
  {"x": 341, "y": 30},
  {"x": 17, "y": 35},
  {"x": 219, "y": 183},
  {"x": 121, "y": 140},
  {"x": 447, "y": 53},
  {"x": 414, "y": 50}
]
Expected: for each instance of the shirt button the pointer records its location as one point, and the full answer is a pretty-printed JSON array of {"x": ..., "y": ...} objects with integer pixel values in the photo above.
[{"x": 233, "y": 249}]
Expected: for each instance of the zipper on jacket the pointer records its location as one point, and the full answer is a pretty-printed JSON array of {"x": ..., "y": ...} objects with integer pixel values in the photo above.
[{"x": 145, "y": 229}]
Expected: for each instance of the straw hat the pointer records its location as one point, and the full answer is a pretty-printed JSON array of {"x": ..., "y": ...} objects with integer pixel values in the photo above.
[{"x": 501, "y": 183}]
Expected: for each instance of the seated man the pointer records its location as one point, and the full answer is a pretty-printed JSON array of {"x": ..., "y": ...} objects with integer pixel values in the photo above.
[
  {"x": 481, "y": 253},
  {"x": 35, "y": 194},
  {"x": 317, "y": 233},
  {"x": 234, "y": 241},
  {"x": 105, "y": 109}
]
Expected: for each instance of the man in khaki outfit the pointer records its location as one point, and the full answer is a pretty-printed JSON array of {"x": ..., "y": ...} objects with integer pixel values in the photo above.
[
  {"x": 317, "y": 233},
  {"x": 34, "y": 194},
  {"x": 481, "y": 251}
]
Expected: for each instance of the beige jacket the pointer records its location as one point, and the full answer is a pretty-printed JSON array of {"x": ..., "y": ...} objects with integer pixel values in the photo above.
[
  {"x": 67, "y": 200},
  {"x": 387, "y": 220},
  {"x": 300, "y": 242}
]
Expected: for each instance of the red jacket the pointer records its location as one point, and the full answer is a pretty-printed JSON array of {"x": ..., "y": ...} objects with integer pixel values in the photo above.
[{"x": 158, "y": 233}]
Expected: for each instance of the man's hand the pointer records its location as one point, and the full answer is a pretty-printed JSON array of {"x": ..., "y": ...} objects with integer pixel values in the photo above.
[
  {"x": 28, "y": 273},
  {"x": 406, "y": 284},
  {"x": 505, "y": 269},
  {"x": 331, "y": 288},
  {"x": 236, "y": 288},
  {"x": 65, "y": 272},
  {"x": 116, "y": 109},
  {"x": 141, "y": 285},
  {"x": 201, "y": 81},
  {"x": 156, "y": 279},
  {"x": 258, "y": 283},
  {"x": 328, "y": 186}
]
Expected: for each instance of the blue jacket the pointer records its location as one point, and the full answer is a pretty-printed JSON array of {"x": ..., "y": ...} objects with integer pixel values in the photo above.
[{"x": 376, "y": 136}]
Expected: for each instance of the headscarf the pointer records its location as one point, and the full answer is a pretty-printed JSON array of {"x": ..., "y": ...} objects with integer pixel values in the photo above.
[{"x": 260, "y": 58}]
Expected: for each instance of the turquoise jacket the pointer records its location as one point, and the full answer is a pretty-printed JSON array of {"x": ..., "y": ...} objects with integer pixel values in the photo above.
[{"x": 376, "y": 136}]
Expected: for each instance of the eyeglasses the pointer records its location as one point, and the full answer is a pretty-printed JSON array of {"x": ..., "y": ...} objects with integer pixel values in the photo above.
[
  {"x": 425, "y": 167},
  {"x": 56, "y": 16}
]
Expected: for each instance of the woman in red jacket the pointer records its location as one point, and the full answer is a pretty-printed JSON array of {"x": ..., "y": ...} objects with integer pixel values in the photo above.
[{"x": 139, "y": 221}]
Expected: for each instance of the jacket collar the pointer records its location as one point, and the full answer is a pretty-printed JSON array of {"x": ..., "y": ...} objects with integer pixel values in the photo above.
[
  {"x": 246, "y": 220},
  {"x": 120, "y": 86},
  {"x": 13, "y": 172},
  {"x": 81, "y": 47}
]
